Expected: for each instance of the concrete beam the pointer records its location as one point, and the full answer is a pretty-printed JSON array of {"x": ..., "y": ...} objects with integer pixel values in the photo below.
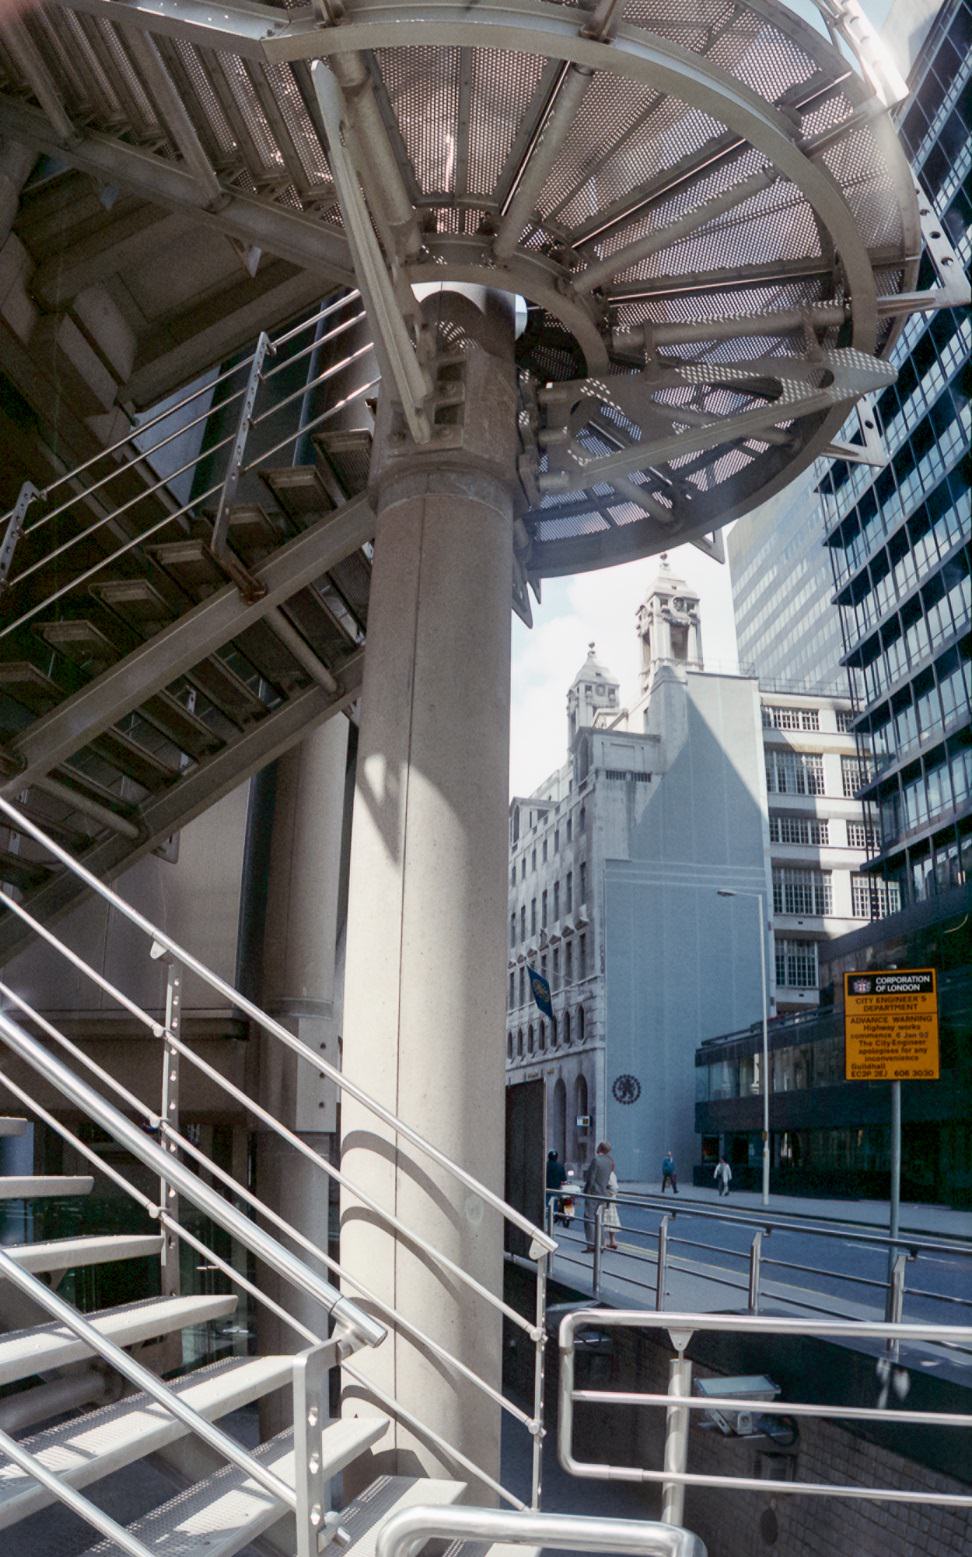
[
  {"x": 109, "y": 250},
  {"x": 176, "y": 807},
  {"x": 173, "y": 652}
]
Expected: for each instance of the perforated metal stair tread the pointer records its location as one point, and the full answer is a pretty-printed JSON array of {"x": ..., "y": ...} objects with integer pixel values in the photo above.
[
  {"x": 100, "y": 1442},
  {"x": 26, "y": 1352},
  {"x": 387, "y": 1495},
  {"x": 42, "y": 1186},
  {"x": 225, "y": 1512},
  {"x": 484, "y": 1549},
  {"x": 99, "y": 1249}
]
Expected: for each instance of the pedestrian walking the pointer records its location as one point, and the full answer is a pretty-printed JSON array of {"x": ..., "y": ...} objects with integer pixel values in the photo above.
[
  {"x": 556, "y": 1174},
  {"x": 723, "y": 1176},
  {"x": 611, "y": 1222},
  {"x": 669, "y": 1174},
  {"x": 596, "y": 1182}
]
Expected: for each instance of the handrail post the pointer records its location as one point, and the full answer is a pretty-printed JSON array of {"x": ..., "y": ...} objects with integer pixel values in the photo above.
[
  {"x": 676, "y": 1439},
  {"x": 661, "y": 1269},
  {"x": 15, "y": 524},
  {"x": 598, "y": 1248},
  {"x": 310, "y": 1376},
  {"x": 249, "y": 587},
  {"x": 894, "y": 1301},
  {"x": 755, "y": 1258},
  {"x": 169, "y": 1116},
  {"x": 539, "y": 1372}
]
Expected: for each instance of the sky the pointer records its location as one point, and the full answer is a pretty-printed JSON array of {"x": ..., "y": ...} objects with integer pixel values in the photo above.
[{"x": 601, "y": 605}]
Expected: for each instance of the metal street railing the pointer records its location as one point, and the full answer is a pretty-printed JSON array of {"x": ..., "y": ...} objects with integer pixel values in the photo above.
[
  {"x": 679, "y": 1403},
  {"x": 654, "y": 1252},
  {"x": 170, "y": 1159},
  {"x": 408, "y": 1531}
]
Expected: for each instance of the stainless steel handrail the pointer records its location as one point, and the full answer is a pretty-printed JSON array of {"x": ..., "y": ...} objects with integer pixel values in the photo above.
[
  {"x": 680, "y": 1328},
  {"x": 539, "y": 1238},
  {"x": 408, "y": 1531},
  {"x": 341, "y": 1308}
]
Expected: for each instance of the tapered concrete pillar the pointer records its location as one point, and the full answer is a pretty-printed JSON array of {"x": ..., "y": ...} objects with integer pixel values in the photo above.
[{"x": 426, "y": 958}]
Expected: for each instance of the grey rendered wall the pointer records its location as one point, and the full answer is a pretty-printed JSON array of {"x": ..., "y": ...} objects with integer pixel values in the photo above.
[{"x": 681, "y": 963}]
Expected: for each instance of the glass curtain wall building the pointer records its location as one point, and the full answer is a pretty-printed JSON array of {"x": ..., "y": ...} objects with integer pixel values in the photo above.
[{"x": 898, "y": 537}]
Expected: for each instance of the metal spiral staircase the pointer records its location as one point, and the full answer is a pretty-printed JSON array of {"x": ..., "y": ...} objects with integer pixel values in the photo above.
[{"x": 716, "y": 236}]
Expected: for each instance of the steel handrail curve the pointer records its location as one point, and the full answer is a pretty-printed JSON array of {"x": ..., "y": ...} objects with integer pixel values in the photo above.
[
  {"x": 780, "y": 1221},
  {"x": 681, "y": 1327},
  {"x": 541, "y": 1240},
  {"x": 408, "y": 1530}
]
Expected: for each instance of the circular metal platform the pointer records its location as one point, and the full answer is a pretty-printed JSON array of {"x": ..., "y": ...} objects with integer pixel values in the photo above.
[{"x": 684, "y": 191}]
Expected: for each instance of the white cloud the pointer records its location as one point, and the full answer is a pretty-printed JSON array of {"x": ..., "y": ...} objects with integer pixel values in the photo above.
[{"x": 599, "y": 605}]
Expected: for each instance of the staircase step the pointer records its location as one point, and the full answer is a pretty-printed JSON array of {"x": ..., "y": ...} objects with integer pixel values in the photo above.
[
  {"x": 58, "y": 1254},
  {"x": 183, "y": 728},
  {"x": 347, "y": 453},
  {"x": 364, "y": 1516},
  {"x": 11, "y": 1125},
  {"x": 300, "y": 491},
  {"x": 26, "y": 1352},
  {"x": 228, "y": 691},
  {"x": 227, "y": 1511},
  {"x": 86, "y": 1448},
  {"x": 137, "y": 601},
  {"x": 17, "y": 871},
  {"x": 27, "y": 685},
  {"x": 352, "y": 578},
  {"x": 43, "y": 1186},
  {"x": 191, "y": 564},
  {"x": 134, "y": 760},
  {"x": 81, "y": 642}
]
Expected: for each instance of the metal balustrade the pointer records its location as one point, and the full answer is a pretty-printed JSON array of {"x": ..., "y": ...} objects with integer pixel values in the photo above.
[
  {"x": 892, "y": 1288},
  {"x": 180, "y": 1166},
  {"x": 407, "y": 1532},
  {"x": 679, "y": 1403}
]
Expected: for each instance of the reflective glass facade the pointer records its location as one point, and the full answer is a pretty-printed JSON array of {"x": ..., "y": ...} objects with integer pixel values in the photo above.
[{"x": 898, "y": 537}]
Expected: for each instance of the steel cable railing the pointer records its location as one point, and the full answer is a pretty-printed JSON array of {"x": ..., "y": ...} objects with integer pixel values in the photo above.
[
  {"x": 14, "y": 526},
  {"x": 175, "y": 1145}
]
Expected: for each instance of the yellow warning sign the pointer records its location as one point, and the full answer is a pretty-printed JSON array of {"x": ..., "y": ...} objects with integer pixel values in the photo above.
[{"x": 891, "y": 1025}]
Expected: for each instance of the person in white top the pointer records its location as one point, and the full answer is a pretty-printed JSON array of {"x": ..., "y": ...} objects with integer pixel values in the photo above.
[{"x": 723, "y": 1176}]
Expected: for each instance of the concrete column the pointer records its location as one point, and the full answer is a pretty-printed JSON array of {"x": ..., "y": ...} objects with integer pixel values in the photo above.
[
  {"x": 299, "y": 989},
  {"x": 426, "y": 959}
]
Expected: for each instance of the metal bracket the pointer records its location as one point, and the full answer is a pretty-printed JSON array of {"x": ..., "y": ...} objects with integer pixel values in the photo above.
[
  {"x": 15, "y": 525},
  {"x": 790, "y": 387},
  {"x": 953, "y": 290},
  {"x": 387, "y": 298},
  {"x": 846, "y": 19},
  {"x": 871, "y": 449}
]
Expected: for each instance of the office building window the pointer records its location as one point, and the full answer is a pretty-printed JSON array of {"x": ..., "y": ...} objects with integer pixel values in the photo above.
[
  {"x": 523, "y": 868},
  {"x": 794, "y": 773},
  {"x": 556, "y": 967},
  {"x": 801, "y": 891},
  {"x": 533, "y": 916},
  {"x": 582, "y": 819},
  {"x": 796, "y": 964},
  {"x": 522, "y": 989},
  {"x": 845, "y": 719},
  {"x": 581, "y": 1024},
  {"x": 509, "y": 1047},
  {"x": 513, "y": 874},
  {"x": 523, "y": 923},
  {"x": 854, "y": 773},
  {"x": 569, "y": 893},
  {"x": 872, "y": 898},
  {"x": 519, "y": 1042},
  {"x": 556, "y": 840},
  {"x": 543, "y": 1036},
  {"x": 556, "y": 908},
  {"x": 565, "y": 1027},
  {"x": 861, "y": 837},
  {"x": 583, "y": 882},
  {"x": 582, "y": 958},
  {"x": 570, "y": 828},
  {"x": 569, "y": 962},
  {"x": 533, "y": 859},
  {"x": 512, "y": 990},
  {"x": 775, "y": 718},
  {"x": 543, "y": 909},
  {"x": 543, "y": 852},
  {"x": 513, "y": 929},
  {"x": 530, "y": 1039},
  {"x": 808, "y": 830}
]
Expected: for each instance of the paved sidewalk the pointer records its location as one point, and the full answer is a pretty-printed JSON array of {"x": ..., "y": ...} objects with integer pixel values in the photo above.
[{"x": 941, "y": 1221}]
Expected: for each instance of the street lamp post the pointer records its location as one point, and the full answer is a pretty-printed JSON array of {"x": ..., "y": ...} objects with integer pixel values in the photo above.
[{"x": 761, "y": 909}]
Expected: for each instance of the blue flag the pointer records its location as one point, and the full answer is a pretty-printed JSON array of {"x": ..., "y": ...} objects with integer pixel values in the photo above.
[{"x": 541, "y": 991}]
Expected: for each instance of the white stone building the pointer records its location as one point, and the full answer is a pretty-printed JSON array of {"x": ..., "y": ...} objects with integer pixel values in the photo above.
[{"x": 706, "y": 785}]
